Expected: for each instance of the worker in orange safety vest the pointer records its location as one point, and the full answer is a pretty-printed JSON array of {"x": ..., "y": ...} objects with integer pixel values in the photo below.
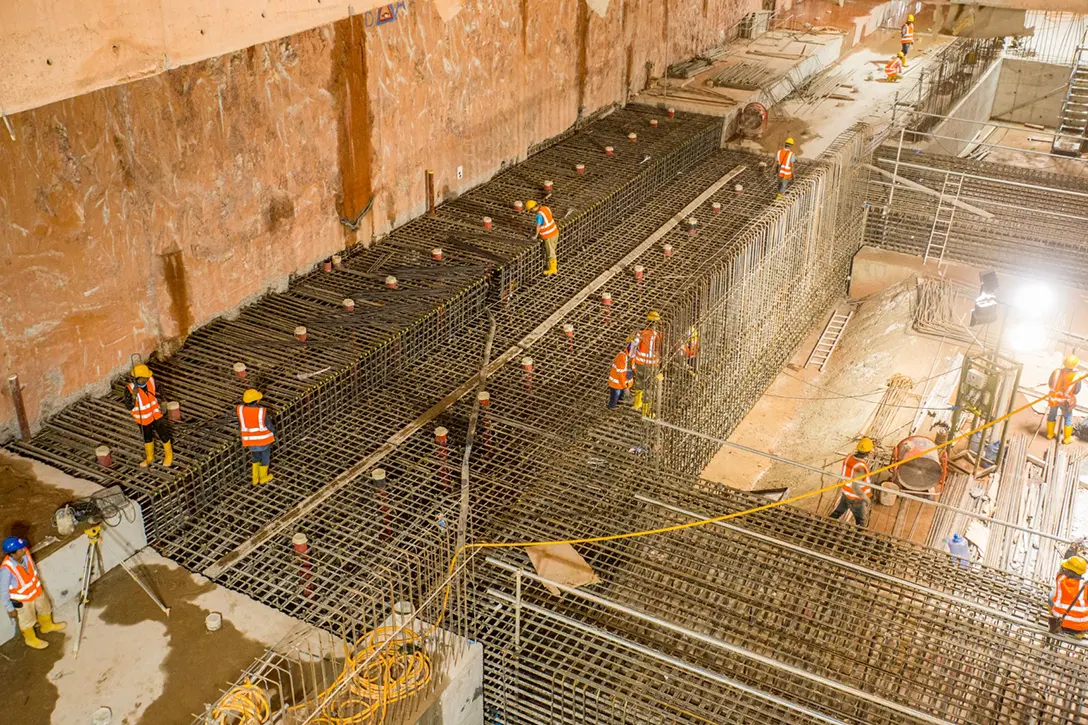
[
  {"x": 546, "y": 230},
  {"x": 1064, "y": 387},
  {"x": 784, "y": 162},
  {"x": 258, "y": 435},
  {"x": 621, "y": 377},
  {"x": 144, "y": 401},
  {"x": 894, "y": 68},
  {"x": 1069, "y": 600},
  {"x": 689, "y": 350},
  {"x": 22, "y": 593},
  {"x": 646, "y": 353},
  {"x": 906, "y": 37},
  {"x": 856, "y": 494}
]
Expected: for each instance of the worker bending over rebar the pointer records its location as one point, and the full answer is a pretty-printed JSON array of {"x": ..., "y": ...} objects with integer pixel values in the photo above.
[{"x": 855, "y": 495}]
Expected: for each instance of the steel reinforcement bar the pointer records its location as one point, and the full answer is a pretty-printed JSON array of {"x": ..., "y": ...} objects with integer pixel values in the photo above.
[{"x": 347, "y": 353}]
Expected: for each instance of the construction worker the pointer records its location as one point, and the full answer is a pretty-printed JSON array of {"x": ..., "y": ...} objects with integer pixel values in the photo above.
[
  {"x": 646, "y": 351},
  {"x": 906, "y": 38},
  {"x": 1064, "y": 387},
  {"x": 894, "y": 68},
  {"x": 23, "y": 595},
  {"x": 1069, "y": 602},
  {"x": 620, "y": 377},
  {"x": 785, "y": 160},
  {"x": 690, "y": 349},
  {"x": 856, "y": 494},
  {"x": 258, "y": 435},
  {"x": 143, "y": 399},
  {"x": 547, "y": 231}
]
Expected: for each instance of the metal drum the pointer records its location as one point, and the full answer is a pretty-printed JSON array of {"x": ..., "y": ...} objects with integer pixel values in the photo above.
[{"x": 920, "y": 474}]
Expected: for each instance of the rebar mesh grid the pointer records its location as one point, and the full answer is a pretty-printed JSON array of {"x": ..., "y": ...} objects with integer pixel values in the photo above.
[
  {"x": 1036, "y": 229},
  {"x": 949, "y": 76},
  {"x": 347, "y": 353}
]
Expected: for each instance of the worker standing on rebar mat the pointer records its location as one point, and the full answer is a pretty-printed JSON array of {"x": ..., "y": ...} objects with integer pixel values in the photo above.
[
  {"x": 1069, "y": 602},
  {"x": 547, "y": 231},
  {"x": 647, "y": 354},
  {"x": 144, "y": 402},
  {"x": 1064, "y": 387},
  {"x": 856, "y": 494},
  {"x": 894, "y": 68},
  {"x": 906, "y": 38},
  {"x": 785, "y": 160},
  {"x": 22, "y": 594},
  {"x": 258, "y": 435},
  {"x": 620, "y": 377}
]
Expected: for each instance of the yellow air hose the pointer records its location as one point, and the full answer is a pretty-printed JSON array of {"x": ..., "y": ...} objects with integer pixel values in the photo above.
[{"x": 245, "y": 704}]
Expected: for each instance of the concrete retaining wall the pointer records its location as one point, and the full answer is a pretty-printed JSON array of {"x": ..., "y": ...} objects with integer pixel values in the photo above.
[
  {"x": 1030, "y": 92},
  {"x": 966, "y": 117}
]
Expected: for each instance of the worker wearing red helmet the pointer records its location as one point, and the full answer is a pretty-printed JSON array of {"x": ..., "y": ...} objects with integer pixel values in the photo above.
[{"x": 22, "y": 594}]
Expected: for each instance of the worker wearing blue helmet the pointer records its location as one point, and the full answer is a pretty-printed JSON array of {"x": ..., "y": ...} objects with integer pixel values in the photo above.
[{"x": 22, "y": 594}]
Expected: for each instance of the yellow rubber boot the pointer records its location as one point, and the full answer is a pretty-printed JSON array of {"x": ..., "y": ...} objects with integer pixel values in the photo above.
[
  {"x": 636, "y": 399},
  {"x": 266, "y": 477},
  {"x": 32, "y": 640},
  {"x": 47, "y": 625},
  {"x": 1068, "y": 434},
  {"x": 553, "y": 266},
  {"x": 149, "y": 455},
  {"x": 1050, "y": 425},
  {"x": 256, "y": 473},
  {"x": 167, "y": 455}
]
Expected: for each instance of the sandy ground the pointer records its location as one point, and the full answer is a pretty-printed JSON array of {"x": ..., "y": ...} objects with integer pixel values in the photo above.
[
  {"x": 147, "y": 668},
  {"x": 816, "y": 417},
  {"x": 30, "y": 492}
]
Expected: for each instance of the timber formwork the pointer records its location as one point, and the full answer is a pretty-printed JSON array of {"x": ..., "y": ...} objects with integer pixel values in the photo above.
[
  {"x": 347, "y": 354},
  {"x": 1037, "y": 221}
]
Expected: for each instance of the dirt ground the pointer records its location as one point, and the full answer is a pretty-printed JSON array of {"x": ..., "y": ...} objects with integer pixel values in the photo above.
[{"x": 28, "y": 501}]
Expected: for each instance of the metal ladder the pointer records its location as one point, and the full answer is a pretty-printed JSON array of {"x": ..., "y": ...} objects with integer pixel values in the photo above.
[
  {"x": 829, "y": 339},
  {"x": 942, "y": 220},
  {"x": 1073, "y": 123}
]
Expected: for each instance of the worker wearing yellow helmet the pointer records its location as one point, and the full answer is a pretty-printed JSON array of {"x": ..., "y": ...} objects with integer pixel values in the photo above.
[
  {"x": 1069, "y": 600},
  {"x": 1064, "y": 386},
  {"x": 784, "y": 163},
  {"x": 547, "y": 231},
  {"x": 143, "y": 399},
  {"x": 894, "y": 68},
  {"x": 856, "y": 493},
  {"x": 258, "y": 435},
  {"x": 646, "y": 352},
  {"x": 906, "y": 38}
]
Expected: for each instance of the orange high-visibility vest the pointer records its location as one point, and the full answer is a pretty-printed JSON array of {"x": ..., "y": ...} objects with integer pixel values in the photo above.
[
  {"x": 858, "y": 490},
  {"x": 894, "y": 67},
  {"x": 618, "y": 378},
  {"x": 906, "y": 34},
  {"x": 1063, "y": 384},
  {"x": 785, "y": 164},
  {"x": 691, "y": 348},
  {"x": 27, "y": 585},
  {"x": 251, "y": 418},
  {"x": 547, "y": 230},
  {"x": 648, "y": 347},
  {"x": 145, "y": 406},
  {"x": 1065, "y": 597}
]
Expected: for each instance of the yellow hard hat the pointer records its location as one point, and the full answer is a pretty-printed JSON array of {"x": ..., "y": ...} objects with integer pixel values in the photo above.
[
  {"x": 1076, "y": 564},
  {"x": 141, "y": 371},
  {"x": 865, "y": 445},
  {"x": 1071, "y": 361},
  {"x": 910, "y": 18},
  {"x": 251, "y": 396},
  {"x": 653, "y": 316},
  {"x": 530, "y": 205},
  {"x": 789, "y": 141}
]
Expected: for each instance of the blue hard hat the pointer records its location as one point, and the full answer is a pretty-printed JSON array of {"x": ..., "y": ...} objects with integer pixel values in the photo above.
[{"x": 14, "y": 543}]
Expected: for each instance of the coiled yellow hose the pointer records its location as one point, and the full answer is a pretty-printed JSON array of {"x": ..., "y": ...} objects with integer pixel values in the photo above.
[{"x": 245, "y": 704}]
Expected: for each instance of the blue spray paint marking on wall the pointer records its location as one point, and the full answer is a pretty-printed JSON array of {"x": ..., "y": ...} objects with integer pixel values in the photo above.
[{"x": 385, "y": 14}]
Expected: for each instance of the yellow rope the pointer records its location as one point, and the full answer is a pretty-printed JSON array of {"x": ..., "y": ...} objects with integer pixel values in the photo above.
[
  {"x": 245, "y": 704},
  {"x": 394, "y": 666}
]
